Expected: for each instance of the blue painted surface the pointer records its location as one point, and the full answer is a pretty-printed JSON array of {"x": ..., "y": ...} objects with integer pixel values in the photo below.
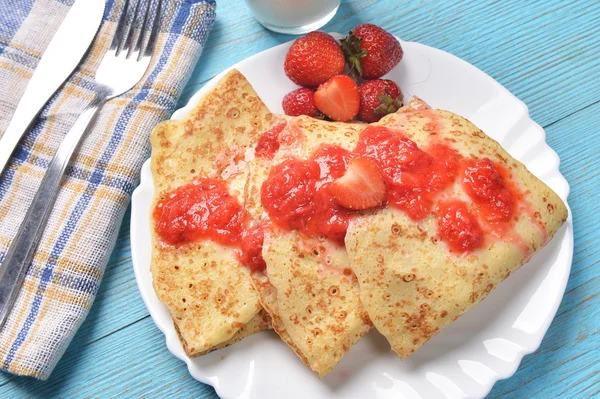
[{"x": 544, "y": 52}]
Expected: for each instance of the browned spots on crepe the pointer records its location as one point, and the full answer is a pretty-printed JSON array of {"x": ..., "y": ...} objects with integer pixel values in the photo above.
[
  {"x": 314, "y": 304},
  {"x": 207, "y": 291},
  {"x": 447, "y": 284}
]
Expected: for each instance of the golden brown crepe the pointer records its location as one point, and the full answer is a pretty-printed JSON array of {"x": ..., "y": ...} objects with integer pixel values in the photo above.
[
  {"x": 206, "y": 289},
  {"x": 308, "y": 290},
  {"x": 260, "y": 322},
  {"x": 394, "y": 272},
  {"x": 410, "y": 283}
]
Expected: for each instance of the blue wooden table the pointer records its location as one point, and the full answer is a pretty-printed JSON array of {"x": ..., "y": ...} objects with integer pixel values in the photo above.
[{"x": 545, "y": 52}]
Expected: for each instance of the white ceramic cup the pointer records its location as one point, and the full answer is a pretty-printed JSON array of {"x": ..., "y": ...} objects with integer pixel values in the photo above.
[{"x": 293, "y": 16}]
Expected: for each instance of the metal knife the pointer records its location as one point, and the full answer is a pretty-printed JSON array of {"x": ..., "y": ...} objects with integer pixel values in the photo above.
[{"x": 63, "y": 54}]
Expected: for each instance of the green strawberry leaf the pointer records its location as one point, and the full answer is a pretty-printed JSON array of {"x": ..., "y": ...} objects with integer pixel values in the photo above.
[
  {"x": 353, "y": 53},
  {"x": 388, "y": 104}
]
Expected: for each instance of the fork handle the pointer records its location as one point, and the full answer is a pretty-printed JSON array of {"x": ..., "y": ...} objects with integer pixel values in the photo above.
[{"x": 21, "y": 251}]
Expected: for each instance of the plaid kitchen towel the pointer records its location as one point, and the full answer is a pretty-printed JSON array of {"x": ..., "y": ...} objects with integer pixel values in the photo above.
[{"x": 65, "y": 274}]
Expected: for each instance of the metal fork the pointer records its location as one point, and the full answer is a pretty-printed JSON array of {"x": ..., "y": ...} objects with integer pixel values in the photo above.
[{"x": 121, "y": 68}]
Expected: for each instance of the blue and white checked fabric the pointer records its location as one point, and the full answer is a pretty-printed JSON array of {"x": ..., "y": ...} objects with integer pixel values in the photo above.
[{"x": 65, "y": 274}]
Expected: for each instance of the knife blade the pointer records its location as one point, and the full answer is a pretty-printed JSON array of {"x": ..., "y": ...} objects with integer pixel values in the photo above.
[{"x": 63, "y": 54}]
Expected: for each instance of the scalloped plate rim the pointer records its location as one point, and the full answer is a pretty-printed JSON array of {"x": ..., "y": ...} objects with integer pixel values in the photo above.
[{"x": 166, "y": 326}]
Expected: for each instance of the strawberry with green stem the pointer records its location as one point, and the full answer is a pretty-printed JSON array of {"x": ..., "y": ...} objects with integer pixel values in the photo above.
[
  {"x": 371, "y": 51},
  {"x": 378, "y": 98}
]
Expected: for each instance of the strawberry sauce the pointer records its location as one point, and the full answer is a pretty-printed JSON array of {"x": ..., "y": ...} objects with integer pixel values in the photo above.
[
  {"x": 483, "y": 184},
  {"x": 297, "y": 193},
  {"x": 458, "y": 226},
  {"x": 204, "y": 209},
  {"x": 413, "y": 176},
  {"x": 268, "y": 143}
]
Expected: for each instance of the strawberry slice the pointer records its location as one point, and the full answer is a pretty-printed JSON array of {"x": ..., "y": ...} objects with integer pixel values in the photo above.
[
  {"x": 361, "y": 187},
  {"x": 338, "y": 98}
]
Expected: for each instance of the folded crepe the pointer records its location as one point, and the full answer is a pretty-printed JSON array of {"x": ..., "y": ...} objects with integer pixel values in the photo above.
[
  {"x": 203, "y": 284},
  {"x": 307, "y": 287},
  {"x": 412, "y": 278},
  {"x": 396, "y": 267},
  {"x": 411, "y": 283}
]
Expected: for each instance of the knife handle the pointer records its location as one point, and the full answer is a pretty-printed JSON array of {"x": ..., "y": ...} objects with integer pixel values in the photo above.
[{"x": 21, "y": 251}]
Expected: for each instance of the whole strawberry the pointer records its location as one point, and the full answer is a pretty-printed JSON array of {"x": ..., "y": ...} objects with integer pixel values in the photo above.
[
  {"x": 378, "y": 98},
  {"x": 371, "y": 51},
  {"x": 313, "y": 59},
  {"x": 301, "y": 102}
]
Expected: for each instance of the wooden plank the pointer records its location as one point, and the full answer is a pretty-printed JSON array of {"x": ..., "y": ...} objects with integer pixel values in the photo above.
[
  {"x": 130, "y": 363},
  {"x": 134, "y": 362},
  {"x": 566, "y": 365},
  {"x": 541, "y": 51}
]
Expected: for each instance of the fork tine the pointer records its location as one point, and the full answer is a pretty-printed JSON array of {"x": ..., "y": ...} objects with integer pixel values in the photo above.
[
  {"x": 130, "y": 29},
  {"x": 136, "y": 30},
  {"x": 149, "y": 48},
  {"x": 118, "y": 37},
  {"x": 139, "y": 45}
]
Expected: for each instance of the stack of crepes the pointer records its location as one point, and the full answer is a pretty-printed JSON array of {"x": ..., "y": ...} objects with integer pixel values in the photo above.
[{"x": 246, "y": 236}]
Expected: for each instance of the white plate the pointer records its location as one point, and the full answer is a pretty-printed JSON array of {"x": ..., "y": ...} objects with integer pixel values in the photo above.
[{"x": 465, "y": 358}]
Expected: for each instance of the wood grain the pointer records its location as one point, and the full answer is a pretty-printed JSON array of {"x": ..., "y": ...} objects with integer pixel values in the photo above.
[
  {"x": 545, "y": 52},
  {"x": 567, "y": 365}
]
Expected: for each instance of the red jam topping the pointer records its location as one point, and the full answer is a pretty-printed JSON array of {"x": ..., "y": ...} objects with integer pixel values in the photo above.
[
  {"x": 330, "y": 219},
  {"x": 414, "y": 177},
  {"x": 483, "y": 184},
  {"x": 289, "y": 191},
  {"x": 296, "y": 195},
  {"x": 251, "y": 249},
  {"x": 458, "y": 226},
  {"x": 268, "y": 143},
  {"x": 204, "y": 209},
  {"x": 332, "y": 160}
]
